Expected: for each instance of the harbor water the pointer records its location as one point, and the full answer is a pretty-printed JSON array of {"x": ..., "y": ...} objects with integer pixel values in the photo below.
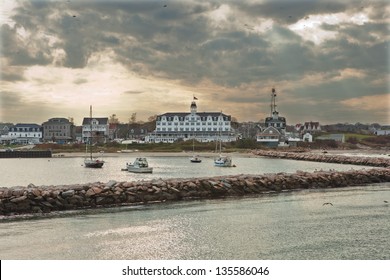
[
  {"x": 288, "y": 225},
  {"x": 70, "y": 170}
]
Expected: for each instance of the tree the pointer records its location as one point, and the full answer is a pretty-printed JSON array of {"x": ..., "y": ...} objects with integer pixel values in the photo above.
[
  {"x": 113, "y": 119},
  {"x": 152, "y": 118},
  {"x": 133, "y": 118}
]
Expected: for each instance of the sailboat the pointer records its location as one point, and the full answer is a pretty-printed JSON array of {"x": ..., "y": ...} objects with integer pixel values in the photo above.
[
  {"x": 194, "y": 158},
  {"x": 89, "y": 161},
  {"x": 222, "y": 161}
]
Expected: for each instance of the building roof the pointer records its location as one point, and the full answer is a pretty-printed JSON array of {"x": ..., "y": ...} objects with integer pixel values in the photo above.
[
  {"x": 87, "y": 121},
  {"x": 269, "y": 131},
  {"x": 314, "y": 125},
  {"x": 32, "y": 125},
  {"x": 200, "y": 114},
  {"x": 57, "y": 120}
]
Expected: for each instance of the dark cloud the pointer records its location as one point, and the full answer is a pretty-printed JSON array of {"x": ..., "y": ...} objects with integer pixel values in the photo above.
[
  {"x": 288, "y": 12},
  {"x": 133, "y": 92},
  {"x": 182, "y": 42},
  {"x": 80, "y": 81}
]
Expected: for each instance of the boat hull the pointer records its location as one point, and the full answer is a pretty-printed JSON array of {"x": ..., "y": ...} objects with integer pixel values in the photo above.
[
  {"x": 140, "y": 169},
  {"x": 195, "y": 159},
  {"x": 94, "y": 163}
]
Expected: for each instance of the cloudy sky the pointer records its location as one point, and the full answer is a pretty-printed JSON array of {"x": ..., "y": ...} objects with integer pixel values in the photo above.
[{"x": 329, "y": 61}]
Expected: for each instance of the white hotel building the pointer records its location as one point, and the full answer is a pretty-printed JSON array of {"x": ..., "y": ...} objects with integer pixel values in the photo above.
[{"x": 203, "y": 127}]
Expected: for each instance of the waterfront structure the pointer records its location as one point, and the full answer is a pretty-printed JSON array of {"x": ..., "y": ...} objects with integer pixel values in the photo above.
[
  {"x": 274, "y": 132},
  {"x": 59, "y": 130},
  {"x": 25, "y": 133},
  {"x": 98, "y": 128},
  {"x": 203, "y": 127}
]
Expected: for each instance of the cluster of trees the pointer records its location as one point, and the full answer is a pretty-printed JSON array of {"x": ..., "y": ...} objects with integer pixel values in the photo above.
[{"x": 113, "y": 119}]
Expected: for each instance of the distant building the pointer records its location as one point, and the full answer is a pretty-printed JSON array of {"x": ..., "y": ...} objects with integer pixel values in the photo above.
[
  {"x": 274, "y": 133},
  {"x": 307, "y": 137},
  {"x": 59, "y": 130},
  {"x": 382, "y": 132},
  {"x": 25, "y": 133},
  {"x": 311, "y": 127},
  {"x": 204, "y": 127},
  {"x": 248, "y": 130},
  {"x": 269, "y": 137},
  {"x": 4, "y": 128},
  {"x": 335, "y": 137},
  {"x": 137, "y": 131},
  {"x": 100, "y": 130}
]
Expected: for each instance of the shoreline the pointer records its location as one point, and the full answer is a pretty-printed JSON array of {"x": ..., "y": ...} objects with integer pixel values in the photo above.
[
  {"x": 151, "y": 154},
  {"x": 249, "y": 153}
]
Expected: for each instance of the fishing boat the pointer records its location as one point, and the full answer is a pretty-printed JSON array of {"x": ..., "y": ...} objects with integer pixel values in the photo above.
[
  {"x": 140, "y": 165},
  {"x": 194, "y": 158},
  {"x": 90, "y": 161},
  {"x": 223, "y": 161}
]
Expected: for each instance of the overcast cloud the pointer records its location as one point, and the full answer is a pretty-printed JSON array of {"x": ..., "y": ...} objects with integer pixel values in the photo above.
[{"x": 328, "y": 61}]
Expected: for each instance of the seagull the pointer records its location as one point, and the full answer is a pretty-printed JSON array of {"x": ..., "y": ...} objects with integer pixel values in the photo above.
[{"x": 327, "y": 203}]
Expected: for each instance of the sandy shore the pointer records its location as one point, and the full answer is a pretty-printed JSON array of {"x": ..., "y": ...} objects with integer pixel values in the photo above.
[{"x": 134, "y": 154}]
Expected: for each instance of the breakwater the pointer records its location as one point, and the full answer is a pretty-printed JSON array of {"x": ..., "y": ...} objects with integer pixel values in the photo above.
[
  {"x": 25, "y": 154},
  {"x": 45, "y": 199},
  {"x": 368, "y": 161}
]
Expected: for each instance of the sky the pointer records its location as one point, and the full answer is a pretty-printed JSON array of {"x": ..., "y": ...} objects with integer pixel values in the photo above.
[{"x": 328, "y": 61}]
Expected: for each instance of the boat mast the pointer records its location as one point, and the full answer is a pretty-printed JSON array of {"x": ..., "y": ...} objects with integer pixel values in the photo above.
[
  {"x": 90, "y": 123},
  {"x": 220, "y": 133}
]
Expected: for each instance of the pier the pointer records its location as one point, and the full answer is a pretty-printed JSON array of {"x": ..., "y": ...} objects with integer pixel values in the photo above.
[
  {"x": 341, "y": 159},
  {"x": 25, "y": 154}
]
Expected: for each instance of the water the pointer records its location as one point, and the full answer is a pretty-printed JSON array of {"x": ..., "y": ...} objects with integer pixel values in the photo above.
[
  {"x": 293, "y": 225},
  {"x": 60, "y": 171}
]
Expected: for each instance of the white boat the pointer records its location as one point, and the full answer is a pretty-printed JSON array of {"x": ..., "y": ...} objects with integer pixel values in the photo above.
[
  {"x": 223, "y": 161},
  {"x": 195, "y": 159},
  {"x": 91, "y": 162},
  {"x": 140, "y": 165}
]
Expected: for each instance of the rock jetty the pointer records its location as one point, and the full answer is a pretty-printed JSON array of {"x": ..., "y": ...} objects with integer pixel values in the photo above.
[
  {"x": 368, "y": 161},
  {"x": 45, "y": 199}
]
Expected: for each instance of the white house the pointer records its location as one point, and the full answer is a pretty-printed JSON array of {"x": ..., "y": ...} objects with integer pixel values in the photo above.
[
  {"x": 204, "y": 127},
  {"x": 25, "y": 133},
  {"x": 307, "y": 137},
  {"x": 100, "y": 129}
]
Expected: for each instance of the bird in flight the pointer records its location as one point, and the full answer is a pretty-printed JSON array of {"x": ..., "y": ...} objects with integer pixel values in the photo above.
[{"x": 327, "y": 203}]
